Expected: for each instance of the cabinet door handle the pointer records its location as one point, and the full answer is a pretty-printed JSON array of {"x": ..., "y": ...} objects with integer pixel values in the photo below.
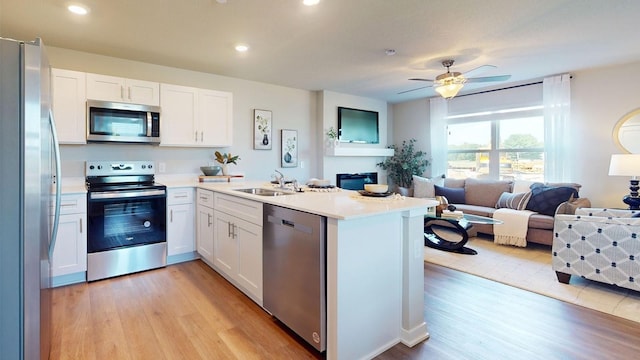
[
  {"x": 196, "y": 138},
  {"x": 201, "y": 136},
  {"x": 235, "y": 228},
  {"x": 209, "y": 219},
  {"x": 121, "y": 92},
  {"x": 171, "y": 215},
  {"x": 129, "y": 92},
  {"x": 81, "y": 225}
]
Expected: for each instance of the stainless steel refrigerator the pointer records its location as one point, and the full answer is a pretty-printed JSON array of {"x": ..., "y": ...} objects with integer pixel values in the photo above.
[{"x": 29, "y": 164}]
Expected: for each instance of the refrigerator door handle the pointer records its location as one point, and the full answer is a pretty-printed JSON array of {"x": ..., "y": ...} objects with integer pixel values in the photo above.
[{"x": 58, "y": 182}]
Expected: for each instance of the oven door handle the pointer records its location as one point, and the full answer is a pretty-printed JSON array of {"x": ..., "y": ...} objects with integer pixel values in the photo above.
[{"x": 127, "y": 194}]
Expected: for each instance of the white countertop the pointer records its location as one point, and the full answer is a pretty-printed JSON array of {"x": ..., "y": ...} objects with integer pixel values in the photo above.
[{"x": 342, "y": 205}]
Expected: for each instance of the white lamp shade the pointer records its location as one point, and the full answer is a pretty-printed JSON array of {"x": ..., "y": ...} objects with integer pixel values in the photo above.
[{"x": 624, "y": 165}]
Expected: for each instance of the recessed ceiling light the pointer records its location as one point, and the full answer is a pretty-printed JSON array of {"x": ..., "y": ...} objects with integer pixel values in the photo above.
[
  {"x": 242, "y": 48},
  {"x": 310, "y": 2},
  {"x": 390, "y": 52},
  {"x": 78, "y": 9}
]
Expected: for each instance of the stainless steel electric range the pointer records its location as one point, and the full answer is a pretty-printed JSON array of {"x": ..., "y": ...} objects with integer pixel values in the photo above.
[{"x": 126, "y": 212}]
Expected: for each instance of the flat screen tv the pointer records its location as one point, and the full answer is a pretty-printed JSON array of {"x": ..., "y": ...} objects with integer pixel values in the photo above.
[{"x": 358, "y": 126}]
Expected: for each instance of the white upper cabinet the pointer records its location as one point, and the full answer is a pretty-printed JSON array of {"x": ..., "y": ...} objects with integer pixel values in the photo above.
[
  {"x": 116, "y": 89},
  {"x": 195, "y": 117},
  {"x": 178, "y": 117},
  {"x": 216, "y": 120},
  {"x": 69, "y": 105}
]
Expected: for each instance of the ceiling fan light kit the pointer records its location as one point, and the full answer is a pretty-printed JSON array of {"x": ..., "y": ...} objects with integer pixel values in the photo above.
[
  {"x": 449, "y": 90},
  {"x": 450, "y": 83}
]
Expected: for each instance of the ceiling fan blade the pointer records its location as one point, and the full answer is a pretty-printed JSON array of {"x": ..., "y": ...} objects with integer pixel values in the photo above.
[
  {"x": 489, "y": 79},
  {"x": 479, "y": 70},
  {"x": 418, "y": 79},
  {"x": 420, "y": 88}
]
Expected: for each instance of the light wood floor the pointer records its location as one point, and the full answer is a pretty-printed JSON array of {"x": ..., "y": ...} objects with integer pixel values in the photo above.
[{"x": 188, "y": 311}]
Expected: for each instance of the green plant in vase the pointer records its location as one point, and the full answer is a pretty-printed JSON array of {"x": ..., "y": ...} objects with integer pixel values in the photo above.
[
  {"x": 405, "y": 163},
  {"x": 225, "y": 159},
  {"x": 332, "y": 134}
]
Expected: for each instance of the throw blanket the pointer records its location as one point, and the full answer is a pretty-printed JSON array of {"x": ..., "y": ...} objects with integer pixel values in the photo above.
[{"x": 513, "y": 230}]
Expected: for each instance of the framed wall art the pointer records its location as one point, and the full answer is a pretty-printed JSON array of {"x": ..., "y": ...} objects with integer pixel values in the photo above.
[
  {"x": 262, "y": 138},
  {"x": 289, "y": 154}
]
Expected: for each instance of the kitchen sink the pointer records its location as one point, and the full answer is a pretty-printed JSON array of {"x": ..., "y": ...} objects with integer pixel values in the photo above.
[{"x": 264, "y": 192}]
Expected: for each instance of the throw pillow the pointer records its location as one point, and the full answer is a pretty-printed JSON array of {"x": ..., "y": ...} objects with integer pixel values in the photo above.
[
  {"x": 570, "y": 206},
  {"x": 546, "y": 199},
  {"x": 424, "y": 188},
  {"x": 454, "y": 195},
  {"x": 516, "y": 201}
]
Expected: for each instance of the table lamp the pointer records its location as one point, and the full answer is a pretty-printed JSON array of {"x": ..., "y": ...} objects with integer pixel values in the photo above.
[{"x": 627, "y": 165}]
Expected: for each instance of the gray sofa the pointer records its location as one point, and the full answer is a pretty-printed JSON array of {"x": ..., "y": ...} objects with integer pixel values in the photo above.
[{"x": 480, "y": 197}]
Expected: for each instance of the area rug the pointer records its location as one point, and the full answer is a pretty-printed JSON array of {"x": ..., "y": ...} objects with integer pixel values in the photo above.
[{"x": 530, "y": 269}]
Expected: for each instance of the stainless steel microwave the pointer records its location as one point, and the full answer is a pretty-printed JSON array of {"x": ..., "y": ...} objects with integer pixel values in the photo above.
[{"x": 122, "y": 122}]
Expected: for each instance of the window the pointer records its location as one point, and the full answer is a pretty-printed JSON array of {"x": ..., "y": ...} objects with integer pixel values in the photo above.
[{"x": 505, "y": 144}]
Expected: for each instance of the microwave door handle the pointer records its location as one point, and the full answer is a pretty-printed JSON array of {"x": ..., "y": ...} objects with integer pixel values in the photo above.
[{"x": 149, "y": 124}]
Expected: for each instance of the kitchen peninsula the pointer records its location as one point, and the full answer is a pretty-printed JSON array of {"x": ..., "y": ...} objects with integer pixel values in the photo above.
[{"x": 374, "y": 266}]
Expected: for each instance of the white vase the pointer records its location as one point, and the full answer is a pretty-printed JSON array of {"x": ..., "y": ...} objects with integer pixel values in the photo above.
[{"x": 225, "y": 169}]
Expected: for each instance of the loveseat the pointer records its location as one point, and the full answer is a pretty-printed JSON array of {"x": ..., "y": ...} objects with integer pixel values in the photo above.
[{"x": 483, "y": 197}]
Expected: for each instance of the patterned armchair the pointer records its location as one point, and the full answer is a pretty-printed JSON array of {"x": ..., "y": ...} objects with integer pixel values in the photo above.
[{"x": 598, "y": 244}]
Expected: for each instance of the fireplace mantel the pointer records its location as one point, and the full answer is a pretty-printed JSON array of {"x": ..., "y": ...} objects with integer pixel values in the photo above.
[{"x": 358, "y": 151}]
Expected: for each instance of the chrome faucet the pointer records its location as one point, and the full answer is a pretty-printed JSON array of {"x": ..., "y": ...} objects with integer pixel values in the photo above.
[{"x": 280, "y": 179}]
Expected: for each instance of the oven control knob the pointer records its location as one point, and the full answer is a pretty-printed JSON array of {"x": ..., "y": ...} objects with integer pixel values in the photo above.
[
  {"x": 150, "y": 166},
  {"x": 91, "y": 167},
  {"x": 99, "y": 167},
  {"x": 144, "y": 166}
]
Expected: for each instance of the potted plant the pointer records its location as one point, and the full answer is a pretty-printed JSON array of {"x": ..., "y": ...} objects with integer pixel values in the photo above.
[
  {"x": 332, "y": 134},
  {"x": 225, "y": 159},
  {"x": 405, "y": 163}
]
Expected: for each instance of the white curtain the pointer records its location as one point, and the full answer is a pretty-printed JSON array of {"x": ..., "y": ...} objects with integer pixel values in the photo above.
[
  {"x": 556, "y": 98},
  {"x": 438, "y": 120}
]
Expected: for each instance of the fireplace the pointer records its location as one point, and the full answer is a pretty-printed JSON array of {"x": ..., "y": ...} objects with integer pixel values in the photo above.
[{"x": 356, "y": 181}]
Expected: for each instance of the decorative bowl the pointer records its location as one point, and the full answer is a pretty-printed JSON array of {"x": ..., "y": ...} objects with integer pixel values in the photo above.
[
  {"x": 376, "y": 188},
  {"x": 210, "y": 170},
  {"x": 319, "y": 182}
]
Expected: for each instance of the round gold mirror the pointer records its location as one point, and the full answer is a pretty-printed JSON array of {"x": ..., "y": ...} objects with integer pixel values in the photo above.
[{"x": 626, "y": 133}]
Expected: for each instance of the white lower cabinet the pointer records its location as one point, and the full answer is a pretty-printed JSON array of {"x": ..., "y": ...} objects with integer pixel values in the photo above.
[
  {"x": 181, "y": 221},
  {"x": 69, "y": 262},
  {"x": 204, "y": 225},
  {"x": 237, "y": 245}
]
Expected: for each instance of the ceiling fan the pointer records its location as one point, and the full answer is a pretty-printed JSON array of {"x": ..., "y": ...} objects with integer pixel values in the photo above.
[{"x": 449, "y": 84}]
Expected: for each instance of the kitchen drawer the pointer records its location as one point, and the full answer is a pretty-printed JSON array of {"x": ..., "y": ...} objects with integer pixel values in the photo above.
[
  {"x": 248, "y": 210},
  {"x": 205, "y": 198},
  {"x": 71, "y": 204},
  {"x": 180, "y": 196}
]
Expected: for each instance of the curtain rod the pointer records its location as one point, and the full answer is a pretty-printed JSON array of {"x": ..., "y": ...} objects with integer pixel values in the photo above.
[{"x": 507, "y": 88}]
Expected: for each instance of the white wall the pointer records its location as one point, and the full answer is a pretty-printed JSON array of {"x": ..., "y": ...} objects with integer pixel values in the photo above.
[
  {"x": 411, "y": 121},
  {"x": 599, "y": 98},
  {"x": 328, "y": 103},
  {"x": 292, "y": 109},
  {"x": 597, "y": 103}
]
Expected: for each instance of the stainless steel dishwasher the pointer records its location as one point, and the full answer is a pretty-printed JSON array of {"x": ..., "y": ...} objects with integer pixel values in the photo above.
[{"x": 294, "y": 278}]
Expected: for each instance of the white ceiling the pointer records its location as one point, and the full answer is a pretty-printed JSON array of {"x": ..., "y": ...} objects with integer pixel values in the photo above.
[{"x": 339, "y": 45}]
